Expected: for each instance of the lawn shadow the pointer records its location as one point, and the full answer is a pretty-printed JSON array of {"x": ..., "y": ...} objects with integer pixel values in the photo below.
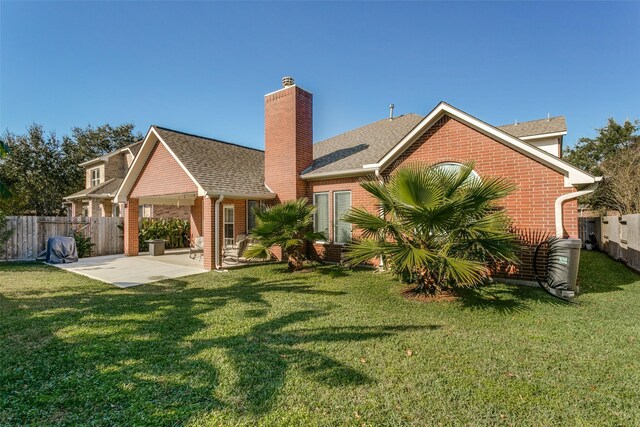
[
  {"x": 505, "y": 299},
  {"x": 151, "y": 354}
]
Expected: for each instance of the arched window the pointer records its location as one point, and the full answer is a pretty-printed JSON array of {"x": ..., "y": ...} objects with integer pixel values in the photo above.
[{"x": 455, "y": 167}]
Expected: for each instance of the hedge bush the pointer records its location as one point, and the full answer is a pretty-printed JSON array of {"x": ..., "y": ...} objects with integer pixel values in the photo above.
[{"x": 175, "y": 231}]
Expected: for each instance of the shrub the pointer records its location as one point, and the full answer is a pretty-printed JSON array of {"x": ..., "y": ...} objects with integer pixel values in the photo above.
[
  {"x": 83, "y": 244},
  {"x": 174, "y": 230},
  {"x": 287, "y": 225}
]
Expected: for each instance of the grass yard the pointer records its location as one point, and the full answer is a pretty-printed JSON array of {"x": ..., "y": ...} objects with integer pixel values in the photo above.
[{"x": 259, "y": 346}]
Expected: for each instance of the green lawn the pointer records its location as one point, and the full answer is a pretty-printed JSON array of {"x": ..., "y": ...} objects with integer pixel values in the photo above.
[{"x": 263, "y": 346}]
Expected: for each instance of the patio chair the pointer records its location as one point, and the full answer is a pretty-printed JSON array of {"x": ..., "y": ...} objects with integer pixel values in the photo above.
[
  {"x": 196, "y": 247},
  {"x": 234, "y": 251}
]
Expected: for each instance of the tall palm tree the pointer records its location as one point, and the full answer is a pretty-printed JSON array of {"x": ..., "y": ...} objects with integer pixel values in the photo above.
[
  {"x": 287, "y": 225},
  {"x": 437, "y": 227}
]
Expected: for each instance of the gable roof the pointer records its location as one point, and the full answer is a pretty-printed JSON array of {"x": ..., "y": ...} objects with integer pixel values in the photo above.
[
  {"x": 573, "y": 175},
  {"x": 533, "y": 128},
  {"x": 106, "y": 190},
  {"x": 366, "y": 144},
  {"x": 216, "y": 167},
  {"x": 133, "y": 148}
]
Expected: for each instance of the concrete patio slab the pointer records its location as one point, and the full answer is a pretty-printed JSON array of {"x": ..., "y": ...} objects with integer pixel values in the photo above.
[{"x": 124, "y": 272}]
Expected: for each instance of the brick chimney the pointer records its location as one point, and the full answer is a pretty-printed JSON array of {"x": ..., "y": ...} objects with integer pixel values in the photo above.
[{"x": 288, "y": 139}]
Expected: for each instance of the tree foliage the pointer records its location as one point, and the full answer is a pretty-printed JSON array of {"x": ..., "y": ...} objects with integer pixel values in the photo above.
[
  {"x": 590, "y": 153},
  {"x": 39, "y": 169},
  {"x": 437, "y": 228},
  {"x": 90, "y": 142},
  {"x": 614, "y": 154},
  {"x": 286, "y": 225}
]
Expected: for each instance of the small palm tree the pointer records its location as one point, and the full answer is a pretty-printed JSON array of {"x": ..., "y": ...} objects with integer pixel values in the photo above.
[
  {"x": 437, "y": 227},
  {"x": 287, "y": 225}
]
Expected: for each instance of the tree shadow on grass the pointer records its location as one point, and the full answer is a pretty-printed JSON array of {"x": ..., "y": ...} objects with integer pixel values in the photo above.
[
  {"x": 505, "y": 299},
  {"x": 156, "y": 354}
]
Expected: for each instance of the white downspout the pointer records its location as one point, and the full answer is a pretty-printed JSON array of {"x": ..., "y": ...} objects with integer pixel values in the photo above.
[
  {"x": 562, "y": 199},
  {"x": 381, "y": 180},
  {"x": 216, "y": 231}
]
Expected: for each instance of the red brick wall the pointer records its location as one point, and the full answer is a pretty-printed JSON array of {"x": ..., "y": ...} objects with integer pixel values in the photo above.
[
  {"x": 131, "y": 228},
  {"x": 162, "y": 175},
  {"x": 531, "y": 205},
  {"x": 538, "y": 186},
  {"x": 288, "y": 117},
  {"x": 171, "y": 211}
]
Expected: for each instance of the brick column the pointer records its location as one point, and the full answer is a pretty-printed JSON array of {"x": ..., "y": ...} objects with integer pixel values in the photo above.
[
  {"x": 131, "y": 228},
  {"x": 195, "y": 219},
  {"x": 208, "y": 205}
]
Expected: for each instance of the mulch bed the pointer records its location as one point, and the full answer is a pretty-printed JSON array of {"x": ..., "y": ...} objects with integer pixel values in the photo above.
[{"x": 444, "y": 296}]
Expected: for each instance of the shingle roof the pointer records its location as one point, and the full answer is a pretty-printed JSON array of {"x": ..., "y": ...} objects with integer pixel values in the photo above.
[
  {"x": 106, "y": 190},
  {"x": 219, "y": 167},
  {"x": 536, "y": 127},
  {"x": 364, "y": 145},
  {"x": 135, "y": 148}
]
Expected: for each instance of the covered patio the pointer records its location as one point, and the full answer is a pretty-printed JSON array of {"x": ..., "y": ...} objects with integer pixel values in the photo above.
[{"x": 219, "y": 181}]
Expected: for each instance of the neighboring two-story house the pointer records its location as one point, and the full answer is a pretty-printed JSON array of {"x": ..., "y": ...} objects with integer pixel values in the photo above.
[{"x": 103, "y": 177}]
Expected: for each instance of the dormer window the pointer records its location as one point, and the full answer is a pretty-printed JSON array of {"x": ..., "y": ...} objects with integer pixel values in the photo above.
[{"x": 95, "y": 177}]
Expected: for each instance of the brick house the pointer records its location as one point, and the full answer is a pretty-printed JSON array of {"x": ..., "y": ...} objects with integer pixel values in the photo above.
[
  {"x": 222, "y": 181},
  {"x": 103, "y": 178}
]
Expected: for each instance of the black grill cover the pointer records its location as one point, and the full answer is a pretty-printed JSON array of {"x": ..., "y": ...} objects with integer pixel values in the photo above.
[{"x": 61, "y": 250}]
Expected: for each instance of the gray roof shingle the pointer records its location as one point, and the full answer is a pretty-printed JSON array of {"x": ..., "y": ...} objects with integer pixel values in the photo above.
[
  {"x": 536, "y": 127},
  {"x": 361, "y": 146},
  {"x": 219, "y": 167},
  {"x": 106, "y": 190}
]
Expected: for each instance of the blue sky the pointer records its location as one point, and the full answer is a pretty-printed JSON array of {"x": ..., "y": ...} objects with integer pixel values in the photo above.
[{"x": 203, "y": 67}]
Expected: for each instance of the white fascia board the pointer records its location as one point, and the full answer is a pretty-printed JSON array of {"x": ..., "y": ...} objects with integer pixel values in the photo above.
[
  {"x": 338, "y": 174},
  {"x": 543, "y": 135},
  {"x": 247, "y": 196},
  {"x": 575, "y": 176},
  {"x": 139, "y": 162},
  {"x": 92, "y": 161},
  {"x": 135, "y": 168}
]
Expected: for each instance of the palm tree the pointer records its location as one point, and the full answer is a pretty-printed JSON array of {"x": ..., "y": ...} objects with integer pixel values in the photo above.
[
  {"x": 287, "y": 225},
  {"x": 437, "y": 227}
]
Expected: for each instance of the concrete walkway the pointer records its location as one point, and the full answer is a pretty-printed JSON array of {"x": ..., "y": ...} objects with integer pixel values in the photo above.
[{"x": 125, "y": 272}]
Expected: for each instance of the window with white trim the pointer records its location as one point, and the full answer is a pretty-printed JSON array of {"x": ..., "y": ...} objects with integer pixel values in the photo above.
[
  {"x": 95, "y": 177},
  {"x": 228, "y": 225},
  {"x": 341, "y": 205},
  {"x": 321, "y": 217}
]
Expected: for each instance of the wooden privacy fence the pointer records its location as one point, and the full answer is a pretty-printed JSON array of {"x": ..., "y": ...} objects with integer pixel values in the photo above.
[
  {"x": 618, "y": 236},
  {"x": 30, "y": 234}
]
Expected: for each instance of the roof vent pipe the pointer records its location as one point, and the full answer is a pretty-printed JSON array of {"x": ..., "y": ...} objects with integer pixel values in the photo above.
[
  {"x": 391, "y": 107},
  {"x": 287, "y": 81}
]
